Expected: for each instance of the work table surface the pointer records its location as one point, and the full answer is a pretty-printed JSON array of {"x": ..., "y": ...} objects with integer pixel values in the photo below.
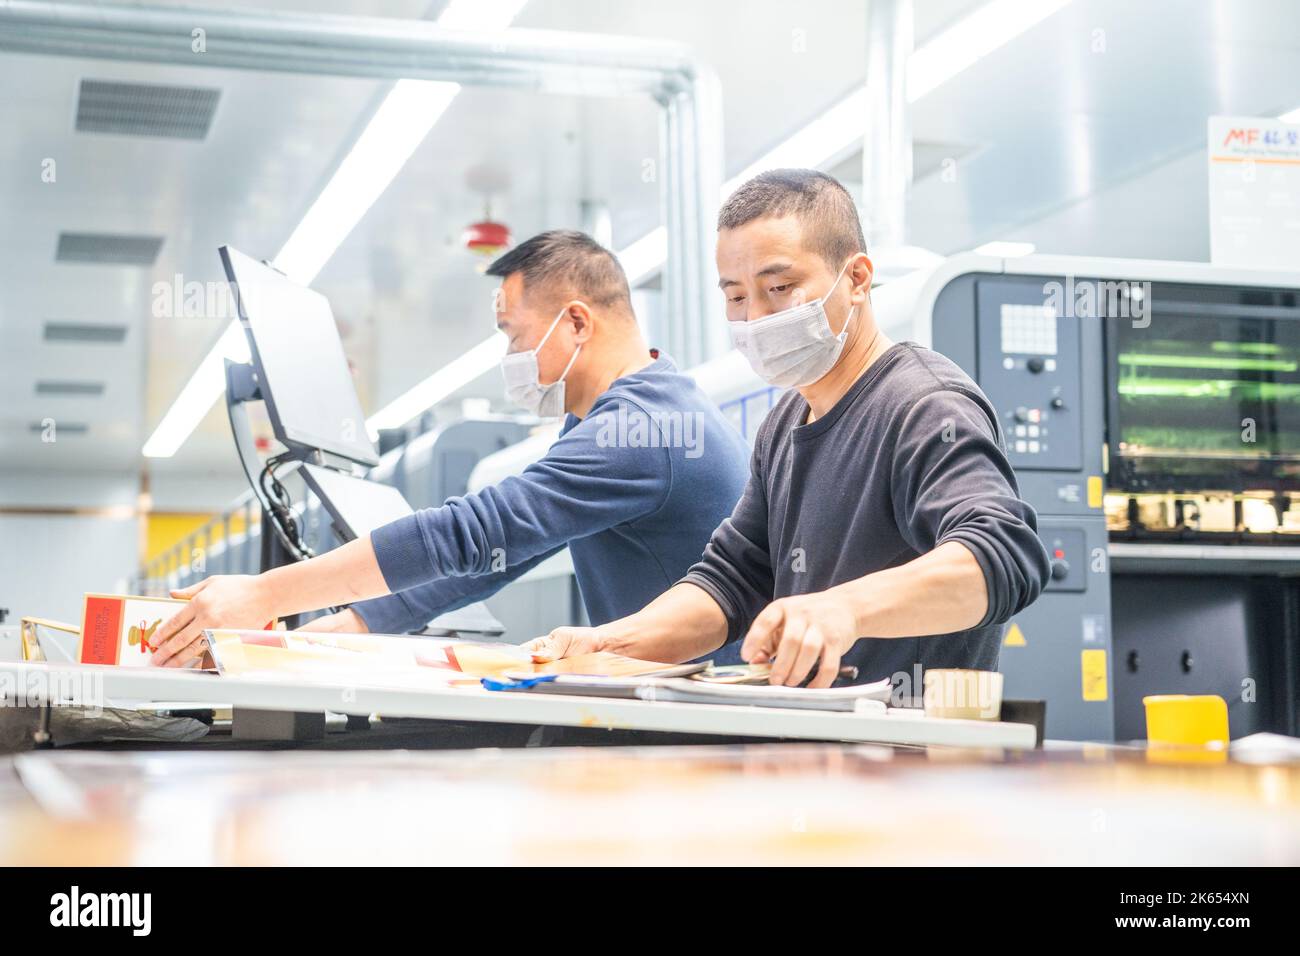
[{"x": 742, "y": 803}]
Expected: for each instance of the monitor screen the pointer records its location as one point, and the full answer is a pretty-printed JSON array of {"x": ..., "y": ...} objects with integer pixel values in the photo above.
[
  {"x": 303, "y": 372},
  {"x": 1206, "y": 397}
]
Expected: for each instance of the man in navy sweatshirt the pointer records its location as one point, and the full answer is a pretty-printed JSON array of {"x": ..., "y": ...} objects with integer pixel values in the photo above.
[{"x": 644, "y": 470}]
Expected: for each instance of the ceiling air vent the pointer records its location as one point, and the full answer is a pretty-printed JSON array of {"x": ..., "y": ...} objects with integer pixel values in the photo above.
[
  {"x": 84, "y": 332},
  {"x": 61, "y": 428},
  {"x": 146, "y": 109},
  {"x": 108, "y": 248},
  {"x": 69, "y": 388}
]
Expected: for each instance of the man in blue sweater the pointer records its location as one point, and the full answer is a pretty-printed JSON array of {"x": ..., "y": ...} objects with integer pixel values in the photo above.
[{"x": 643, "y": 471}]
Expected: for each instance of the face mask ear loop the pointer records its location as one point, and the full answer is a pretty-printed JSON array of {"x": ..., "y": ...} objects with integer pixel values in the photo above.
[
  {"x": 843, "y": 268},
  {"x": 848, "y": 318},
  {"x": 852, "y": 308},
  {"x": 570, "y": 365},
  {"x": 538, "y": 347}
]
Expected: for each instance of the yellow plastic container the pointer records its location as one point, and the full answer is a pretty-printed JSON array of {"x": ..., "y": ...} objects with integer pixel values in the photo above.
[{"x": 1187, "y": 720}]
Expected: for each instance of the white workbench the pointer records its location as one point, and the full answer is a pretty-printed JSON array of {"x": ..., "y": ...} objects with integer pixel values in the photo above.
[{"x": 35, "y": 683}]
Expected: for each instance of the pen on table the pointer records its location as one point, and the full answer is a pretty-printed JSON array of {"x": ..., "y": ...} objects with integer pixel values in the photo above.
[{"x": 847, "y": 672}]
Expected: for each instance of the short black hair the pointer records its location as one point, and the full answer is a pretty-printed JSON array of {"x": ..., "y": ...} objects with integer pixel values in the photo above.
[
  {"x": 566, "y": 263},
  {"x": 820, "y": 202}
]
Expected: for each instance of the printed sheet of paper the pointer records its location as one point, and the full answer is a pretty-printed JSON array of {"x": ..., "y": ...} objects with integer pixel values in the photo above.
[{"x": 385, "y": 660}]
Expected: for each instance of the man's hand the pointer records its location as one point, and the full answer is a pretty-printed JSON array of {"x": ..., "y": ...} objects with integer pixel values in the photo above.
[
  {"x": 565, "y": 642},
  {"x": 236, "y": 600},
  {"x": 798, "y": 633},
  {"x": 346, "y": 621}
]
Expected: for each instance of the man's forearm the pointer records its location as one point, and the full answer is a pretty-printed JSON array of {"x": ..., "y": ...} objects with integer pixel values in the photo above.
[
  {"x": 681, "y": 624},
  {"x": 938, "y": 593},
  {"x": 346, "y": 574}
]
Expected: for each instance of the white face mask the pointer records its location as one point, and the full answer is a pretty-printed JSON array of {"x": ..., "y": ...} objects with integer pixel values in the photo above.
[
  {"x": 523, "y": 380},
  {"x": 793, "y": 347}
]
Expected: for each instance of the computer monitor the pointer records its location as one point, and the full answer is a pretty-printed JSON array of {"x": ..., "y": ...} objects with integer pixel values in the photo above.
[
  {"x": 301, "y": 368},
  {"x": 356, "y": 506}
]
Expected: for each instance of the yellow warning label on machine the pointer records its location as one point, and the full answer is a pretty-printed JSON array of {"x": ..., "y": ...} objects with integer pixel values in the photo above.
[
  {"x": 1015, "y": 637},
  {"x": 1094, "y": 491},
  {"x": 1094, "y": 675}
]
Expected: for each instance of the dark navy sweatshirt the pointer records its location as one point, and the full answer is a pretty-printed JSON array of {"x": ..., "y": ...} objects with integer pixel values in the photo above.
[{"x": 634, "y": 490}]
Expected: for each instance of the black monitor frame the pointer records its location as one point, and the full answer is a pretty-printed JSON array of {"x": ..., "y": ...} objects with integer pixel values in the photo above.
[{"x": 302, "y": 445}]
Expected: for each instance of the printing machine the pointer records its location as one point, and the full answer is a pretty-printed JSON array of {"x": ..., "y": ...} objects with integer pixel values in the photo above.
[{"x": 1152, "y": 415}]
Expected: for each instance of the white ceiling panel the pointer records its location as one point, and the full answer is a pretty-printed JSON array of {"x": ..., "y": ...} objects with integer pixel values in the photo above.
[{"x": 1083, "y": 135}]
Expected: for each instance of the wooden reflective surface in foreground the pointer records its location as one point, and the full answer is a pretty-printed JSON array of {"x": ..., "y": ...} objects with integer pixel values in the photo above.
[{"x": 797, "y": 804}]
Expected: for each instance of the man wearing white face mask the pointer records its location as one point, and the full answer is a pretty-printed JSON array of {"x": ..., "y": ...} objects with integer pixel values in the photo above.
[
  {"x": 644, "y": 470},
  {"x": 881, "y": 527}
]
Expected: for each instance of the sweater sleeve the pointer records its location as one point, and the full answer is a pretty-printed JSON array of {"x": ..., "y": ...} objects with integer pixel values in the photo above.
[
  {"x": 736, "y": 569},
  {"x": 587, "y": 482},
  {"x": 952, "y": 482},
  {"x": 409, "y": 610}
]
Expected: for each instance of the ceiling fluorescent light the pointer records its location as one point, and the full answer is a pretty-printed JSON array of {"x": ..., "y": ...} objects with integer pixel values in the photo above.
[
  {"x": 644, "y": 257},
  {"x": 198, "y": 394},
  {"x": 395, "y": 131},
  {"x": 455, "y": 375},
  {"x": 971, "y": 39},
  {"x": 399, "y": 125},
  {"x": 828, "y": 138},
  {"x": 1005, "y": 250},
  {"x": 837, "y": 131}
]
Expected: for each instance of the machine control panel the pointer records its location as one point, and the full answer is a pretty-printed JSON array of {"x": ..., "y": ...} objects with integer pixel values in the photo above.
[
  {"x": 1029, "y": 369},
  {"x": 1040, "y": 360}
]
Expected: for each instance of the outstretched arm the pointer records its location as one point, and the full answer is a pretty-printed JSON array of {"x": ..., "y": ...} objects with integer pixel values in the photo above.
[
  {"x": 681, "y": 624},
  {"x": 582, "y": 486}
]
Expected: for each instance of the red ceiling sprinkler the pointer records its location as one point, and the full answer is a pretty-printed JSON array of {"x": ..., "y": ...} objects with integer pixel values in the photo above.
[{"x": 486, "y": 238}]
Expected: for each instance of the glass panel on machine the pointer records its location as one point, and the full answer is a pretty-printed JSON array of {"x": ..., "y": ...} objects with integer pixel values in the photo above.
[{"x": 1205, "y": 403}]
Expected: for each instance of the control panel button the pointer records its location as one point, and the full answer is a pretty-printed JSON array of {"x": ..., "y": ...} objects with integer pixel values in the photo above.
[
  {"x": 1035, "y": 364},
  {"x": 1060, "y": 569}
]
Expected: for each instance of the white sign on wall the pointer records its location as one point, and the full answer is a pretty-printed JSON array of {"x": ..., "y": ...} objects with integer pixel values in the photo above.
[{"x": 1254, "y": 193}]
